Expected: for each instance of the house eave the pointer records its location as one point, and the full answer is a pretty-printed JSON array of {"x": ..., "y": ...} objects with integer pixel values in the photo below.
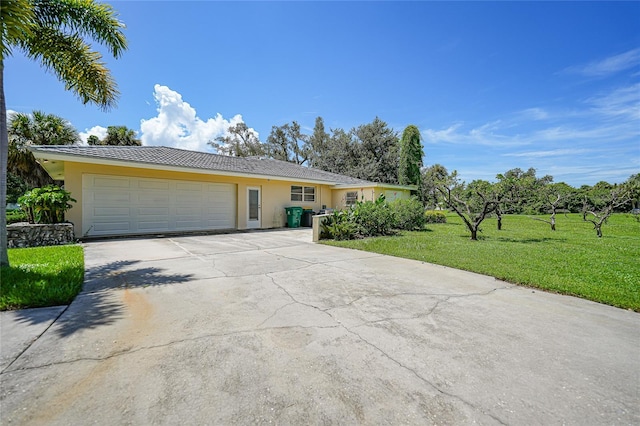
[
  {"x": 376, "y": 185},
  {"x": 51, "y": 163}
]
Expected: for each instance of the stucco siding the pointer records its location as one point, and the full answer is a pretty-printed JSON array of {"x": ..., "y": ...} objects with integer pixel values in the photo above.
[{"x": 275, "y": 195}]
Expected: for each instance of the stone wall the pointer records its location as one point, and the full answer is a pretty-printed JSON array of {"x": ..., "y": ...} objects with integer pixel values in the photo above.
[{"x": 34, "y": 235}]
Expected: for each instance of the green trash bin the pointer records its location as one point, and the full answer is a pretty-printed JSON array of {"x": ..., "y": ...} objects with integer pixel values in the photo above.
[{"x": 294, "y": 214}]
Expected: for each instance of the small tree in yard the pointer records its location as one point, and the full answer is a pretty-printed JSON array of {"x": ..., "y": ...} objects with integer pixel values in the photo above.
[
  {"x": 616, "y": 198},
  {"x": 473, "y": 202},
  {"x": 553, "y": 197}
]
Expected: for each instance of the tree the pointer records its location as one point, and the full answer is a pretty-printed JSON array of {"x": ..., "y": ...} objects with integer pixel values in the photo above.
[
  {"x": 617, "y": 196},
  {"x": 339, "y": 155},
  {"x": 429, "y": 179},
  {"x": 554, "y": 196},
  {"x": 241, "y": 141},
  {"x": 120, "y": 136},
  {"x": 93, "y": 140},
  {"x": 319, "y": 144},
  {"x": 410, "y": 156},
  {"x": 35, "y": 129},
  {"x": 53, "y": 33},
  {"x": 472, "y": 203},
  {"x": 288, "y": 143},
  {"x": 633, "y": 186},
  {"x": 377, "y": 152}
]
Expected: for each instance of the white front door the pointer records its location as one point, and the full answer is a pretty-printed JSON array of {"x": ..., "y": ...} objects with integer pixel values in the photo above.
[{"x": 253, "y": 208}]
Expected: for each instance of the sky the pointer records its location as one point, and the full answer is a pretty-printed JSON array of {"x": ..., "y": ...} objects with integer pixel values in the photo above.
[{"x": 492, "y": 86}]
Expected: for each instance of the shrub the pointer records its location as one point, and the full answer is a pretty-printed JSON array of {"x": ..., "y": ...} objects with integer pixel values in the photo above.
[
  {"x": 373, "y": 217},
  {"x": 339, "y": 226},
  {"x": 46, "y": 205},
  {"x": 408, "y": 214},
  {"x": 14, "y": 216},
  {"x": 435, "y": 216},
  {"x": 364, "y": 219}
]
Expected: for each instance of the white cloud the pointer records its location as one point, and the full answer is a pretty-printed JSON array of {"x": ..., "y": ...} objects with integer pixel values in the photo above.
[
  {"x": 621, "y": 102},
  {"x": 178, "y": 125},
  {"x": 487, "y": 135},
  {"x": 98, "y": 131},
  {"x": 533, "y": 114},
  {"x": 608, "y": 66},
  {"x": 548, "y": 153}
]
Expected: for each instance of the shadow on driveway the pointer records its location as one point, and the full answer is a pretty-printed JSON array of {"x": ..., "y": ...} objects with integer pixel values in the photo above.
[{"x": 95, "y": 306}]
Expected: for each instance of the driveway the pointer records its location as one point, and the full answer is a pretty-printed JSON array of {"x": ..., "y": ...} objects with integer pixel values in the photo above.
[{"x": 267, "y": 327}]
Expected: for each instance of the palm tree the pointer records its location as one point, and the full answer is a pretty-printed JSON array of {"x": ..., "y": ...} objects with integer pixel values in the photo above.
[
  {"x": 36, "y": 129},
  {"x": 54, "y": 33}
]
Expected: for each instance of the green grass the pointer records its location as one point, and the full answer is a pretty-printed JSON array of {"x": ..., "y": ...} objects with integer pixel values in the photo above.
[
  {"x": 41, "y": 276},
  {"x": 571, "y": 260}
]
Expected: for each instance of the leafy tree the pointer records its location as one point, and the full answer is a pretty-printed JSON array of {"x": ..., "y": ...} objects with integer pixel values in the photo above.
[
  {"x": 410, "y": 156},
  {"x": 35, "y": 129},
  {"x": 241, "y": 141},
  {"x": 429, "y": 179},
  {"x": 320, "y": 144},
  {"x": 93, "y": 140},
  {"x": 288, "y": 143},
  {"x": 523, "y": 190},
  {"x": 120, "y": 136},
  {"x": 340, "y": 154},
  {"x": 53, "y": 33},
  {"x": 377, "y": 152},
  {"x": 633, "y": 186},
  {"x": 16, "y": 187}
]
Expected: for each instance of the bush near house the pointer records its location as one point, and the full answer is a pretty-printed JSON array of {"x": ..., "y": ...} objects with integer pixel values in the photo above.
[
  {"x": 435, "y": 216},
  {"x": 46, "y": 205},
  {"x": 374, "y": 218},
  {"x": 15, "y": 216}
]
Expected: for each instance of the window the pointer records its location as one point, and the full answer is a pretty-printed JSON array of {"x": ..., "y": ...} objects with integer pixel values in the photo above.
[
  {"x": 303, "y": 193},
  {"x": 352, "y": 198}
]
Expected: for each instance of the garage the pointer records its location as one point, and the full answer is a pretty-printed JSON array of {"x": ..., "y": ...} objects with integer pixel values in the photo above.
[{"x": 117, "y": 205}]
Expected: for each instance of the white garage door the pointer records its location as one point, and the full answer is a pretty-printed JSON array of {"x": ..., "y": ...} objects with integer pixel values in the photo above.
[{"x": 114, "y": 205}]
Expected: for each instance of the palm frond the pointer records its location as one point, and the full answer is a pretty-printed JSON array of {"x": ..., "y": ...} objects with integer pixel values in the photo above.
[
  {"x": 16, "y": 20},
  {"x": 85, "y": 17},
  {"x": 73, "y": 61}
]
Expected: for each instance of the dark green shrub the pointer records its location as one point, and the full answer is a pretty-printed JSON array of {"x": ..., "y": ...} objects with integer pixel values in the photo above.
[
  {"x": 339, "y": 226},
  {"x": 373, "y": 217},
  {"x": 435, "y": 216},
  {"x": 46, "y": 205},
  {"x": 408, "y": 214},
  {"x": 15, "y": 216}
]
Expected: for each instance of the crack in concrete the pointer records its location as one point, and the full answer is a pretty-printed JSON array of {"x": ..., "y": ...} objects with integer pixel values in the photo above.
[
  {"x": 275, "y": 313},
  {"x": 421, "y": 378},
  {"x": 131, "y": 351},
  {"x": 397, "y": 362}
]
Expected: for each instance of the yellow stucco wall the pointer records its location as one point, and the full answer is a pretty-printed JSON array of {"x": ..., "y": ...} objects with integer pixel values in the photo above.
[
  {"x": 275, "y": 195},
  {"x": 370, "y": 193}
]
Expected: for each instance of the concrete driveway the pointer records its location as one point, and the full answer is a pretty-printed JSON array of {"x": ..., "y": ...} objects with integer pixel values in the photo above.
[{"x": 266, "y": 327}]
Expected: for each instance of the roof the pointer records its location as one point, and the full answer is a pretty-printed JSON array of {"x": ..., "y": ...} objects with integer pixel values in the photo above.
[{"x": 195, "y": 161}]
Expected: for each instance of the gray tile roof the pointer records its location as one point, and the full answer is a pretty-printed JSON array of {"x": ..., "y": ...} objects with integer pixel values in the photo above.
[{"x": 174, "y": 157}]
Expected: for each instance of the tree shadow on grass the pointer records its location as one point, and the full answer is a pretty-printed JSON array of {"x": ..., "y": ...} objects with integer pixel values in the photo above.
[
  {"x": 100, "y": 303},
  {"x": 530, "y": 240}
]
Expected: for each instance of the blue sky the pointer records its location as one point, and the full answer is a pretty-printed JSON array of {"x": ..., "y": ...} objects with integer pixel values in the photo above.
[{"x": 491, "y": 85}]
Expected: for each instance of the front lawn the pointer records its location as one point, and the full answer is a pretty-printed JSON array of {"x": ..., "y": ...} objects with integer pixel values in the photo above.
[
  {"x": 41, "y": 276},
  {"x": 571, "y": 260}
]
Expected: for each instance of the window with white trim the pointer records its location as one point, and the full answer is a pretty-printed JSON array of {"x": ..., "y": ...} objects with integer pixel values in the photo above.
[
  {"x": 351, "y": 198},
  {"x": 303, "y": 193}
]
